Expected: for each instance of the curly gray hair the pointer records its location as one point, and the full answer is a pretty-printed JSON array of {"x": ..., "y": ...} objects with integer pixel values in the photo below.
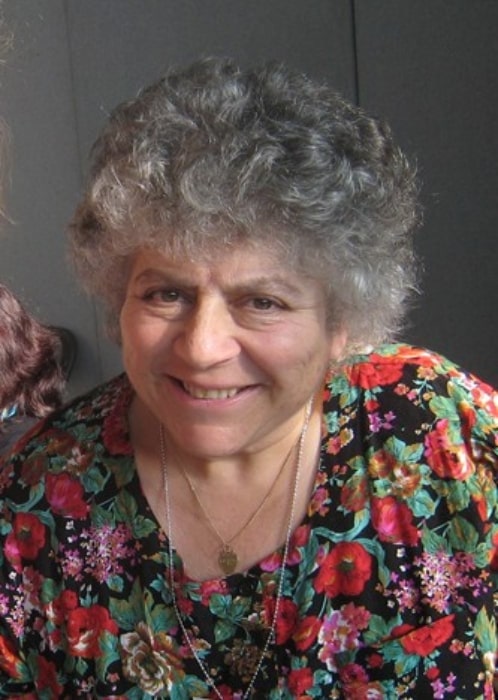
[{"x": 212, "y": 155}]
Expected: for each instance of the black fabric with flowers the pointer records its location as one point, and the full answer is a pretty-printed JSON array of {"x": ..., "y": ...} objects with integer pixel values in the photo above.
[{"x": 390, "y": 582}]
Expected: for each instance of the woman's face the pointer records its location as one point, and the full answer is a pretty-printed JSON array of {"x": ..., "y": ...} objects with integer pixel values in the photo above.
[{"x": 226, "y": 353}]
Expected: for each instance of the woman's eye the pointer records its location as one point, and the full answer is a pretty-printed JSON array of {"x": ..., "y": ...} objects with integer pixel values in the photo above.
[
  {"x": 163, "y": 296},
  {"x": 264, "y": 304}
]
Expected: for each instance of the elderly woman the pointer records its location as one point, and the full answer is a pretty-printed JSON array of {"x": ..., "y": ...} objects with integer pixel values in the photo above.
[
  {"x": 270, "y": 502},
  {"x": 31, "y": 373}
]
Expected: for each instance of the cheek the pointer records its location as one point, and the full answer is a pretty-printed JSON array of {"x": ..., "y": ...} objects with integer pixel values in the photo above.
[
  {"x": 309, "y": 345},
  {"x": 124, "y": 323},
  {"x": 138, "y": 339},
  {"x": 313, "y": 366},
  {"x": 306, "y": 354},
  {"x": 136, "y": 328},
  {"x": 142, "y": 351}
]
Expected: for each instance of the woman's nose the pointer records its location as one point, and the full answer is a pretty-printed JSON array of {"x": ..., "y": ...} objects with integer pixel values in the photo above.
[{"x": 208, "y": 336}]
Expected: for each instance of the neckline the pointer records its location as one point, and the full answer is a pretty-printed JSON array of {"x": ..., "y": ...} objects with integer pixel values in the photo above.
[
  {"x": 232, "y": 580},
  {"x": 134, "y": 486}
]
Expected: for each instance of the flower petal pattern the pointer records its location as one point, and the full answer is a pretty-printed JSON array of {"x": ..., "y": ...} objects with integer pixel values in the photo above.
[{"x": 390, "y": 587}]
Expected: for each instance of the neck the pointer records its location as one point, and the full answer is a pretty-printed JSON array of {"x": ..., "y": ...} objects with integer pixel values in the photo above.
[
  {"x": 229, "y": 559},
  {"x": 221, "y": 468},
  {"x": 242, "y": 496}
]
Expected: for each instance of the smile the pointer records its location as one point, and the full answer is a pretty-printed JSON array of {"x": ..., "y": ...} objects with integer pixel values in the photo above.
[{"x": 201, "y": 393}]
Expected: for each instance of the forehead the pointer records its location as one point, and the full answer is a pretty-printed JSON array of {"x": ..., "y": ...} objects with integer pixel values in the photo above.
[{"x": 235, "y": 266}]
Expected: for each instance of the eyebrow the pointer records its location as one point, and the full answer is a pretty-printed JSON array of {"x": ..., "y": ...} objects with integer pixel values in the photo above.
[{"x": 271, "y": 283}]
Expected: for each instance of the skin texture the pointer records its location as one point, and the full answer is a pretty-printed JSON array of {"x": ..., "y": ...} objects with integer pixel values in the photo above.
[{"x": 225, "y": 353}]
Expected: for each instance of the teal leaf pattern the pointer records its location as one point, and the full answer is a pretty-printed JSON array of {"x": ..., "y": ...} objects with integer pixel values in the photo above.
[{"x": 390, "y": 587}]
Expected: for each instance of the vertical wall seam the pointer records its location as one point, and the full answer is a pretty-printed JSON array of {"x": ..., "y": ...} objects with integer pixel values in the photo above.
[{"x": 81, "y": 159}]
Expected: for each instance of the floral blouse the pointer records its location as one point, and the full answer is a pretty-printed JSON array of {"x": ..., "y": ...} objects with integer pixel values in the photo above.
[{"x": 389, "y": 586}]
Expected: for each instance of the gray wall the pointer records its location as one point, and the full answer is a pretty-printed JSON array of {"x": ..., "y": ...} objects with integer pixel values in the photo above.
[{"x": 428, "y": 66}]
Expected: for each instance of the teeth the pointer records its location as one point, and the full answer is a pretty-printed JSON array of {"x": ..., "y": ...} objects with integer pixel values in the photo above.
[{"x": 199, "y": 393}]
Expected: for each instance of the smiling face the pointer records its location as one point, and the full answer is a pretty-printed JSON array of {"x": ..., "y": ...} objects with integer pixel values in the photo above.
[{"x": 225, "y": 353}]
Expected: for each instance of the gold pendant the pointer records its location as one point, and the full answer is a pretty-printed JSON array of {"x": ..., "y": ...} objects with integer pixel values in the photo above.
[{"x": 227, "y": 559}]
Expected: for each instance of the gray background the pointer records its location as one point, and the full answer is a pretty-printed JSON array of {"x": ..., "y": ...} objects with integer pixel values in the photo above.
[{"x": 428, "y": 66}]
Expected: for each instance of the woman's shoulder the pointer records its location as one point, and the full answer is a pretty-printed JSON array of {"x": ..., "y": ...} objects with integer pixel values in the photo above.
[
  {"x": 11, "y": 431},
  {"x": 99, "y": 401},
  {"x": 405, "y": 387},
  {"x": 89, "y": 423},
  {"x": 389, "y": 364}
]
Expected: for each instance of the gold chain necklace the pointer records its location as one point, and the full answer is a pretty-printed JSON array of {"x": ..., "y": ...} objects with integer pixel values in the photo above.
[
  {"x": 227, "y": 556},
  {"x": 271, "y": 634}
]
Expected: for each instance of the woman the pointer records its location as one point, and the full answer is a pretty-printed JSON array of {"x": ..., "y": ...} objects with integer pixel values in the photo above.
[
  {"x": 31, "y": 376},
  {"x": 270, "y": 503}
]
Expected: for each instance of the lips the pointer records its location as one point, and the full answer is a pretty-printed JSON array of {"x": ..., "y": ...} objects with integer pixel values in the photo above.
[{"x": 202, "y": 393}]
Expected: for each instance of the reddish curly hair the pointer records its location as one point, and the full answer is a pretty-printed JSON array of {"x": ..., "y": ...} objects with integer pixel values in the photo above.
[{"x": 31, "y": 376}]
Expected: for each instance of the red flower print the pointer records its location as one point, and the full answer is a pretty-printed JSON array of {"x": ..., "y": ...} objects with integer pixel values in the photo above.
[
  {"x": 65, "y": 496},
  {"x": 226, "y": 693},
  {"x": 84, "y": 628},
  {"x": 468, "y": 414},
  {"x": 375, "y": 660},
  {"x": 59, "y": 442},
  {"x": 299, "y": 539},
  {"x": 115, "y": 430},
  {"x": 345, "y": 570},
  {"x": 319, "y": 498},
  {"x": 25, "y": 540},
  {"x": 337, "y": 442},
  {"x": 484, "y": 395},
  {"x": 424, "y": 640},
  {"x": 393, "y": 521},
  {"x": 272, "y": 562},
  {"x": 352, "y": 673},
  {"x": 356, "y": 685},
  {"x": 286, "y": 618},
  {"x": 494, "y": 553},
  {"x": 432, "y": 673},
  {"x": 448, "y": 460},
  {"x": 481, "y": 504},
  {"x": 68, "y": 600},
  {"x": 400, "y": 630},
  {"x": 371, "y": 405},
  {"x": 8, "y": 658},
  {"x": 47, "y": 677},
  {"x": 378, "y": 371},
  {"x": 300, "y": 536},
  {"x": 32, "y": 469},
  {"x": 300, "y": 680},
  {"x": 405, "y": 477},
  {"x": 185, "y": 605},
  {"x": 209, "y": 588},
  {"x": 382, "y": 464},
  {"x": 417, "y": 356},
  {"x": 306, "y": 632},
  {"x": 354, "y": 494}
]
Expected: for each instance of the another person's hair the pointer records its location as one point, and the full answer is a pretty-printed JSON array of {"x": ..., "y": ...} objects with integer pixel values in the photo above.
[
  {"x": 31, "y": 377},
  {"x": 212, "y": 155}
]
